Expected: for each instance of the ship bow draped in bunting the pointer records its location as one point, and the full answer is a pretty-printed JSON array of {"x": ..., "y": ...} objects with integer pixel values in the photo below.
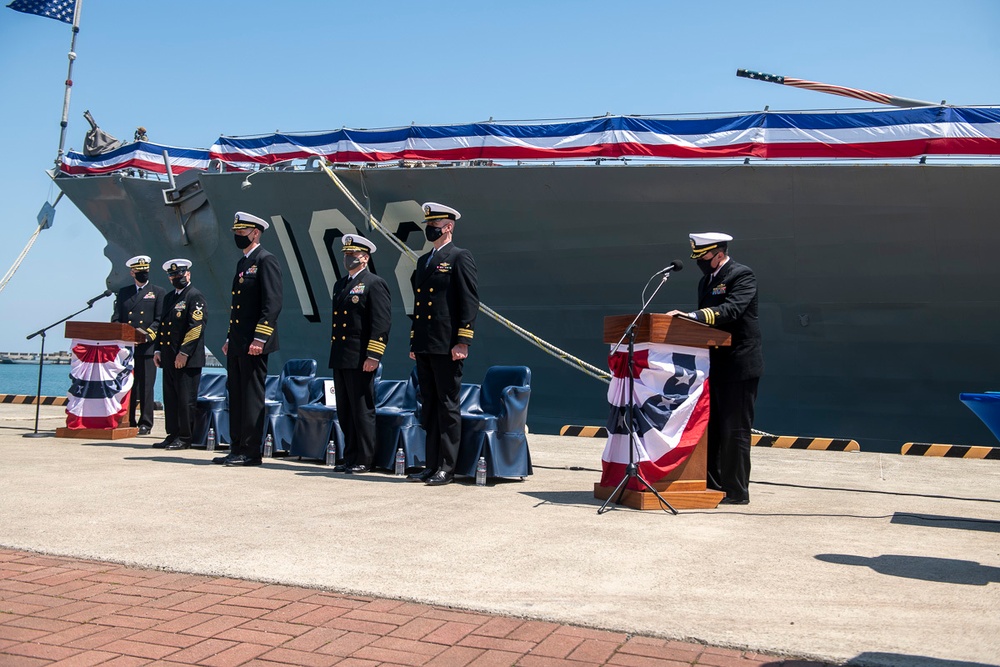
[
  {"x": 670, "y": 412},
  {"x": 100, "y": 384},
  {"x": 824, "y": 135}
]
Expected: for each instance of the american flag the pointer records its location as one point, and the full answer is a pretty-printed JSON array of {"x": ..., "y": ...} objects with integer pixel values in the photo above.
[
  {"x": 101, "y": 381},
  {"x": 60, "y": 10},
  {"x": 670, "y": 412}
]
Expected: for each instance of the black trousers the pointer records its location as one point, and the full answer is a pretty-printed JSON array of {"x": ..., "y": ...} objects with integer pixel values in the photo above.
[
  {"x": 143, "y": 380},
  {"x": 729, "y": 425},
  {"x": 440, "y": 381},
  {"x": 355, "y": 391},
  {"x": 180, "y": 393},
  {"x": 245, "y": 382}
]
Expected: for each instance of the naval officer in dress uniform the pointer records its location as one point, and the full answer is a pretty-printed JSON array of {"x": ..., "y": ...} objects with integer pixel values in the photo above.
[
  {"x": 141, "y": 305},
  {"x": 446, "y": 301},
  {"x": 180, "y": 352},
  {"x": 362, "y": 313},
  {"x": 253, "y": 335},
  {"x": 727, "y": 300}
]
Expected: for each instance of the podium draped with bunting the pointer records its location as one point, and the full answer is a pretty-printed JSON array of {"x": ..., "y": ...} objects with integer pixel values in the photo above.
[
  {"x": 670, "y": 367},
  {"x": 101, "y": 364}
]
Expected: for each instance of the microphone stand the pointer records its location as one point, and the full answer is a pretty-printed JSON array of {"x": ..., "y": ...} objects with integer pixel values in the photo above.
[
  {"x": 632, "y": 470},
  {"x": 41, "y": 355}
]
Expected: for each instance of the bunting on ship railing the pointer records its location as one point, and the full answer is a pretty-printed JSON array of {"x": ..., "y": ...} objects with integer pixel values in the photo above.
[{"x": 826, "y": 135}]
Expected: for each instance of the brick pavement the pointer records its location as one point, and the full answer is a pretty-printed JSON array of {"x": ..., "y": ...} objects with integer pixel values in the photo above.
[{"x": 72, "y": 612}]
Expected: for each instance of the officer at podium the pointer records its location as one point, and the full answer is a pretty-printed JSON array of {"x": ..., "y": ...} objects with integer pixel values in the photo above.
[
  {"x": 727, "y": 300},
  {"x": 141, "y": 305}
]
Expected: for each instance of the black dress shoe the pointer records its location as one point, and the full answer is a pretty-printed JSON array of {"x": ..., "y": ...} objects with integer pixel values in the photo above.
[
  {"x": 356, "y": 470},
  {"x": 440, "y": 478},
  {"x": 166, "y": 442},
  {"x": 340, "y": 467},
  {"x": 422, "y": 476},
  {"x": 242, "y": 462},
  {"x": 221, "y": 460},
  {"x": 735, "y": 501},
  {"x": 177, "y": 444},
  {"x": 144, "y": 430}
]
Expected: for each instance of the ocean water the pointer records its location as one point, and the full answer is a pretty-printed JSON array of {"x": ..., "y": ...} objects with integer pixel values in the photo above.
[{"x": 23, "y": 379}]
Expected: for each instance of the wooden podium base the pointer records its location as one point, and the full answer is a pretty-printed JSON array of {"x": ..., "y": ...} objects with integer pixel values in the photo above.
[
  {"x": 678, "y": 499},
  {"x": 97, "y": 433},
  {"x": 684, "y": 488}
]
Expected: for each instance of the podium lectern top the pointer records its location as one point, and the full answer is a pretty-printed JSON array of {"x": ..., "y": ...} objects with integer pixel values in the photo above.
[
  {"x": 660, "y": 328},
  {"x": 104, "y": 331}
]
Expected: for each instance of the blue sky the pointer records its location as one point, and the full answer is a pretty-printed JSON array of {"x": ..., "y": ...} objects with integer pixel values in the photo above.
[{"x": 191, "y": 70}]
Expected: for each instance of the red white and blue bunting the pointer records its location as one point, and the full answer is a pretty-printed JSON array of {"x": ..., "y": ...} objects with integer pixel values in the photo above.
[
  {"x": 825, "y": 135},
  {"x": 670, "y": 412},
  {"x": 101, "y": 381}
]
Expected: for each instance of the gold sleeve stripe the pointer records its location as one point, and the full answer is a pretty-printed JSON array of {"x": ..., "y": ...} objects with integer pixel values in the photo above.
[
  {"x": 465, "y": 333},
  {"x": 709, "y": 315},
  {"x": 411, "y": 333},
  {"x": 151, "y": 335},
  {"x": 376, "y": 347},
  {"x": 261, "y": 329},
  {"x": 192, "y": 335}
]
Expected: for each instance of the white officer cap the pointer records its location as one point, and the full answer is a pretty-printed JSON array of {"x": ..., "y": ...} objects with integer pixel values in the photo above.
[
  {"x": 435, "y": 211},
  {"x": 139, "y": 263},
  {"x": 249, "y": 221},
  {"x": 179, "y": 265},
  {"x": 702, "y": 242},
  {"x": 355, "y": 243}
]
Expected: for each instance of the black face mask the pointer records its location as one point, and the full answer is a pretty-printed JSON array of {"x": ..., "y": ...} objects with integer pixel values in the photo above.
[
  {"x": 141, "y": 276},
  {"x": 180, "y": 282},
  {"x": 705, "y": 265},
  {"x": 242, "y": 242},
  {"x": 351, "y": 262},
  {"x": 433, "y": 233}
]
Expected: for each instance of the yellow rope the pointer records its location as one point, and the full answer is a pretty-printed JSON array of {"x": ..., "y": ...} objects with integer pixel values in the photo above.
[{"x": 544, "y": 345}]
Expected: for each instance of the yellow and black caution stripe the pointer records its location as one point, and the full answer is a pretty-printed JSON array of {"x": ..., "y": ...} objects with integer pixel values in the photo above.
[
  {"x": 950, "y": 451},
  {"x": 584, "y": 431},
  {"x": 790, "y": 442},
  {"x": 22, "y": 399}
]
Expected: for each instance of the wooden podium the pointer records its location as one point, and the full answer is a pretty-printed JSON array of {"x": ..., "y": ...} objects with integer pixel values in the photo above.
[
  {"x": 101, "y": 331},
  {"x": 685, "y": 487}
]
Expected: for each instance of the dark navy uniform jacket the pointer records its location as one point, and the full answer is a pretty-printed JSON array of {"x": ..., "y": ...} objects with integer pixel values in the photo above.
[
  {"x": 183, "y": 328},
  {"x": 729, "y": 302},
  {"x": 445, "y": 301},
  {"x": 256, "y": 302},
  {"x": 362, "y": 314},
  {"x": 143, "y": 310}
]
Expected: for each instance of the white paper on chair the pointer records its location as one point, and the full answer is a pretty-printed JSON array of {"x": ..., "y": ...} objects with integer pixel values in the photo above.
[{"x": 329, "y": 397}]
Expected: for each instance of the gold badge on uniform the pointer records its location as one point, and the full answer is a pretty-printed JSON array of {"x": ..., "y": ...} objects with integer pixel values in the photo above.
[
  {"x": 354, "y": 299},
  {"x": 197, "y": 315}
]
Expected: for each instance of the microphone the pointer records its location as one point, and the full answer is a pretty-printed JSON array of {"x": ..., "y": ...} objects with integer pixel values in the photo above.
[
  {"x": 675, "y": 266},
  {"x": 97, "y": 298}
]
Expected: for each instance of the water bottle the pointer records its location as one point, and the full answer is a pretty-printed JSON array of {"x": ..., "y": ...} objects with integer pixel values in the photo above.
[
  {"x": 268, "y": 446},
  {"x": 331, "y": 453},
  {"x": 210, "y": 440},
  {"x": 400, "y": 462},
  {"x": 481, "y": 471}
]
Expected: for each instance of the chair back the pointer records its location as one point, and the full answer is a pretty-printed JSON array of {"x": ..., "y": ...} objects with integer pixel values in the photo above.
[
  {"x": 296, "y": 367},
  {"x": 496, "y": 380},
  {"x": 316, "y": 391},
  {"x": 272, "y": 388},
  {"x": 212, "y": 385},
  {"x": 468, "y": 399},
  {"x": 390, "y": 394},
  {"x": 295, "y": 391}
]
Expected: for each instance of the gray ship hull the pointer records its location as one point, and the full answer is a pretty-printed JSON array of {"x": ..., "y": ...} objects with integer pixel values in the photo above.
[{"x": 876, "y": 282}]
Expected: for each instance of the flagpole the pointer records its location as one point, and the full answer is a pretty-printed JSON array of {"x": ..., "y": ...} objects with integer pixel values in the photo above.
[{"x": 69, "y": 82}]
